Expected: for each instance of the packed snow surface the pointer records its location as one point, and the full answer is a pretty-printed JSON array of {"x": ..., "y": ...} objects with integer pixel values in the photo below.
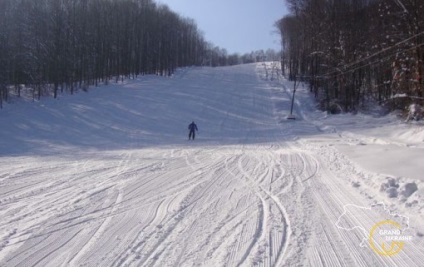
[{"x": 108, "y": 177}]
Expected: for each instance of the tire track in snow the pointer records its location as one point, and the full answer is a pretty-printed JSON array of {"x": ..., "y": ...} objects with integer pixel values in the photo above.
[
  {"x": 168, "y": 227},
  {"x": 262, "y": 227},
  {"x": 97, "y": 234},
  {"x": 134, "y": 249},
  {"x": 48, "y": 242}
]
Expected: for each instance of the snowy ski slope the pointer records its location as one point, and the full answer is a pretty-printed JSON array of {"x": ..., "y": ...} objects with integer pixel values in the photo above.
[{"x": 108, "y": 177}]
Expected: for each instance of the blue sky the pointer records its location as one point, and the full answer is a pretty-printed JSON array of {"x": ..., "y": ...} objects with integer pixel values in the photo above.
[{"x": 240, "y": 26}]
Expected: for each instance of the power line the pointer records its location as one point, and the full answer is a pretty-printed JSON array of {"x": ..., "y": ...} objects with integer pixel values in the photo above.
[
  {"x": 379, "y": 60},
  {"x": 377, "y": 53}
]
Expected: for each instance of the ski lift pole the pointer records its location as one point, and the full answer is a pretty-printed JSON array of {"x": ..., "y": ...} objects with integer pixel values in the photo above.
[{"x": 291, "y": 117}]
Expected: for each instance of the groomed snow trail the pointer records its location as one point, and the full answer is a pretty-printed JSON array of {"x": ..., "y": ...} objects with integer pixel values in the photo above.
[{"x": 111, "y": 179}]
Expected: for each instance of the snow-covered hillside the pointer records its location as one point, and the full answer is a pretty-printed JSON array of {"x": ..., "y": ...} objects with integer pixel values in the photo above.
[{"x": 108, "y": 177}]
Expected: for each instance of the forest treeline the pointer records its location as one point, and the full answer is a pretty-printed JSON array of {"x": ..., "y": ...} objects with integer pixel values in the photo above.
[
  {"x": 351, "y": 51},
  {"x": 62, "y": 45}
]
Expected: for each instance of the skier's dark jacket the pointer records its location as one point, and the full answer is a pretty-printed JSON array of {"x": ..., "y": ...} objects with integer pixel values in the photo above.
[{"x": 192, "y": 127}]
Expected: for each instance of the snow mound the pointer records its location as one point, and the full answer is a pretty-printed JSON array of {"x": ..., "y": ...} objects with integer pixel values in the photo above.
[{"x": 414, "y": 134}]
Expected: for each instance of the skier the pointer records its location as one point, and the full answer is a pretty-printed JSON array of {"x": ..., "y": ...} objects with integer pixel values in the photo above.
[{"x": 192, "y": 127}]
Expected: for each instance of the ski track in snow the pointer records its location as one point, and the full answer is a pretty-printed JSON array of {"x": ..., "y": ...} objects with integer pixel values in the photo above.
[{"x": 119, "y": 184}]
